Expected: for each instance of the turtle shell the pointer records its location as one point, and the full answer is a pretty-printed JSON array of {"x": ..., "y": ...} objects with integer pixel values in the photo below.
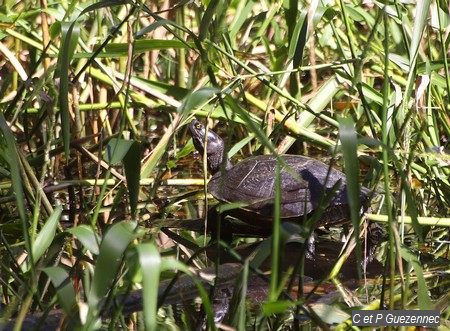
[{"x": 303, "y": 182}]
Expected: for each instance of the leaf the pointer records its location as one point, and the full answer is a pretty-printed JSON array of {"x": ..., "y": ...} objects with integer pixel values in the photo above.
[
  {"x": 87, "y": 237},
  {"x": 141, "y": 46},
  {"x": 318, "y": 103},
  {"x": 240, "y": 17},
  {"x": 420, "y": 21},
  {"x": 129, "y": 153},
  {"x": 330, "y": 314},
  {"x": 112, "y": 248},
  {"x": 46, "y": 235},
  {"x": 207, "y": 19},
  {"x": 116, "y": 150},
  {"x": 251, "y": 125},
  {"x": 240, "y": 144},
  {"x": 423, "y": 298},
  {"x": 275, "y": 239},
  {"x": 298, "y": 40},
  {"x": 150, "y": 261},
  {"x": 237, "y": 308},
  {"x": 261, "y": 253},
  {"x": 103, "y": 4},
  {"x": 63, "y": 285},
  {"x": 55, "y": 30},
  {"x": 69, "y": 37},
  {"x": 223, "y": 207},
  {"x": 11, "y": 156},
  {"x": 277, "y": 307},
  {"x": 154, "y": 26},
  {"x": 132, "y": 167},
  {"x": 197, "y": 98},
  {"x": 348, "y": 138}
]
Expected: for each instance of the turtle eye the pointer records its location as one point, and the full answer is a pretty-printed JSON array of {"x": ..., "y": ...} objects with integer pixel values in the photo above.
[{"x": 198, "y": 126}]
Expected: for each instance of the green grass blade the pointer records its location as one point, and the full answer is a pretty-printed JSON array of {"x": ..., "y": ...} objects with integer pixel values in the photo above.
[
  {"x": 191, "y": 102},
  {"x": 242, "y": 307},
  {"x": 321, "y": 100},
  {"x": 10, "y": 154},
  {"x": 64, "y": 289},
  {"x": 386, "y": 147},
  {"x": 116, "y": 150},
  {"x": 207, "y": 19},
  {"x": 291, "y": 13},
  {"x": 276, "y": 237},
  {"x": 87, "y": 236},
  {"x": 112, "y": 248},
  {"x": 197, "y": 98},
  {"x": 150, "y": 262},
  {"x": 420, "y": 21},
  {"x": 46, "y": 235},
  {"x": 69, "y": 36},
  {"x": 298, "y": 40},
  {"x": 347, "y": 136},
  {"x": 277, "y": 307},
  {"x": 149, "y": 28},
  {"x": 132, "y": 167},
  {"x": 129, "y": 153},
  {"x": 423, "y": 298},
  {"x": 140, "y": 46},
  {"x": 243, "y": 10}
]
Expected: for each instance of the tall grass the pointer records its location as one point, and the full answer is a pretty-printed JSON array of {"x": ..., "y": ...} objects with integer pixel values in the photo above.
[{"x": 95, "y": 159}]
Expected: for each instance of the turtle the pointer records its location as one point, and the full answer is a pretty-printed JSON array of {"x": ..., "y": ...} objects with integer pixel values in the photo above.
[{"x": 251, "y": 183}]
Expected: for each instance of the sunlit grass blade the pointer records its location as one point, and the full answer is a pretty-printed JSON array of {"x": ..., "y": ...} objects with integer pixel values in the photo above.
[
  {"x": 430, "y": 221},
  {"x": 298, "y": 40},
  {"x": 192, "y": 101},
  {"x": 277, "y": 307},
  {"x": 419, "y": 25},
  {"x": 244, "y": 9},
  {"x": 46, "y": 235},
  {"x": 114, "y": 50},
  {"x": 386, "y": 147},
  {"x": 70, "y": 32}
]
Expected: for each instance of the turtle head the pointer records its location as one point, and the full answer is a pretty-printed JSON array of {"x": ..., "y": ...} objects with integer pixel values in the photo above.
[{"x": 215, "y": 146}]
